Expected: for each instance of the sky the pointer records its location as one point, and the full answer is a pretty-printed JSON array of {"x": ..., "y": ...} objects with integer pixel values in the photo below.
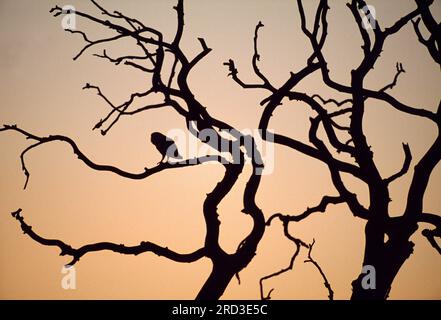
[{"x": 40, "y": 87}]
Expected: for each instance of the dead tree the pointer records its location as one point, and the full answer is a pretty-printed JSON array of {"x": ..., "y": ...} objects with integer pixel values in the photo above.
[
  {"x": 385, "y": 254},
  {"x": 169, "y": 81}
]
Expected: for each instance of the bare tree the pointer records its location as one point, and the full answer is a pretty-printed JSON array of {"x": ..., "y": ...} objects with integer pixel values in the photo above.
[
  {"x": 387, "y": 239},
  {"x": 169, "y": 81}
]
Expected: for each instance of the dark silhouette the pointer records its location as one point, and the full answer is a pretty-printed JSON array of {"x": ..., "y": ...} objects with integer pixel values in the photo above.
[
  {"x": 385, "y": 255},
  {"x": 165, "y": 146},
  {"x": 433, "y": 43},
  {"x": 176, "y": 93},
  {"x": 387, "y": 239}
]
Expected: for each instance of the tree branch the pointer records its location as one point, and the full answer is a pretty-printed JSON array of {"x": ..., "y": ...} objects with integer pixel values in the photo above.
[
  {"x": 321, "y": 207},
  {"x": 324, "y": 117},
  {"x": 95, "y": 42},
  {"x": 233, "y": 73},
  {"x": 317, "y": 154},
  {"x": 421, "y": 176},
  {"x": 433, "y": 44},
  {"x": 256, "y": 57},
  {"x": 337, "y": 103},
  {"x": 118, "y": 60},
  {"x": 298, "y": 243},
  {"x": 122, "y": 108},
  {"x": 77, "y": 253},
  {"x": 354, "y": 7},
  {"x": 383, "y": 96},
  {"x": 416, "y": 27},
  {"x": 119, "y": 15},
  {"x": 390, "y": 86},
  {"x": 99, "y": 167},
  {"x": 320, "y": 270},
  {"x": 435, "y": 220},
  {"x": 406, "y": 165},
  {"x": 430, "y": 235},
  {"x": 400, "y": 23}
]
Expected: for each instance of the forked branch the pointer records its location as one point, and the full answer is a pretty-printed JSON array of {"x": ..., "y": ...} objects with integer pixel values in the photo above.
[
  {"x": 100, "y": 167},
  {"x": 298, "y": 244},
  {"x": 320, "y": 270},
  {"x": 256, "y": 58},
  {"x": 321, "y": 207},
  {"x": 431, "y": 234}
]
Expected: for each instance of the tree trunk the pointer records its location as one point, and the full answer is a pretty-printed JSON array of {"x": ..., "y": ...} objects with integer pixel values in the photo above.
[{"x": 387, "y": 258}]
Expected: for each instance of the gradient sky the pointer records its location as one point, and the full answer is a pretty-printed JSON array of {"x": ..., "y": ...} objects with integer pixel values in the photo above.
[{"x": 40, "y": 87}]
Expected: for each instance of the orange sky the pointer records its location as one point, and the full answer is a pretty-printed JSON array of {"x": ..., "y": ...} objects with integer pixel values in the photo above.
[{"x": 40, "y": 87}]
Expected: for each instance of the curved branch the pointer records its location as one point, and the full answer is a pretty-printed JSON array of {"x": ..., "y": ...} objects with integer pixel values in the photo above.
[
  {"x": 298, "y": 243},
  {"x": 337, "y": 114},
  {"x": 430, "y": 235},
  {"x": 390, "y": 86},
  {"x": 326, "y": 101},
  {"x": 433, "y": 44},
  {"x": 431, "y": 218},
  {"x": 119, "y": 15},
  {"x": 435, "y": 220},
  {"x": 23, "y": 164},
  {"x": 400, "y": 23},
  {"x": 350, "y": 198},
  {"x": 205, "y": 51},
  {"x": 99, "y": 167},
  {"x": 383, "y": 96},
  {"x": 421, "y": 175},
  {"x": 118, "y": 60},
  {"x": 277, "y": 273},
  {"x": 429, "y": 43},
  {"x": 233, "y": 73},
  {"x": 77, "y": 253},
  {"x": 416, "y": 27},
  {"x": 85, "y": 38},
  {"x": 317, "y": 154},
  {"x": 406, "y": 165},
  {"x": 119, "y": 109},
  {"x": 256, "y": 57},
  {"x": 324, "y": 117},
  {"x": 321, "y": 207},
  {"x": 93, "y": 43},
  {"x": 353, "y": 6}
]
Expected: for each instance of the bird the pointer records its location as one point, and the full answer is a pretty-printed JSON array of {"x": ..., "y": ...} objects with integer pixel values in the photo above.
[{"x": 165, "y": 146}]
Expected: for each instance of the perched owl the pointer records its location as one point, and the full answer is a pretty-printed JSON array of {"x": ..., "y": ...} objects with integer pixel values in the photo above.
[{"x": 166, "y": 146}]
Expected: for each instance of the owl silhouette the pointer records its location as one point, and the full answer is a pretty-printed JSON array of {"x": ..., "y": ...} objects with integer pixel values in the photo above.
[{"x": 166, "y": 146}]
